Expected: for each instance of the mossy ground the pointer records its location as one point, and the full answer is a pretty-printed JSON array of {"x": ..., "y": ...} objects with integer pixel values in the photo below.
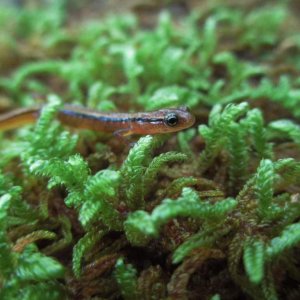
[{"x": 208, "y": 213}]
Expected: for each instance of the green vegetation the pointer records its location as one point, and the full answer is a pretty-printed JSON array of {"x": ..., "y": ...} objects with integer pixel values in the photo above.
[{"x": 211, "y": 211}]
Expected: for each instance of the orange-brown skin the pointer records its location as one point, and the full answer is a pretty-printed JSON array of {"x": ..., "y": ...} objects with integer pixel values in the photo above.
[
  {"x": 18, "y": 117},
  {"x": 156, "y": 122}
]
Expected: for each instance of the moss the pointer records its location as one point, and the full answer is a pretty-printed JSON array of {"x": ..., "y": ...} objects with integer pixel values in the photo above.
[{"x": 211, "y": 212}]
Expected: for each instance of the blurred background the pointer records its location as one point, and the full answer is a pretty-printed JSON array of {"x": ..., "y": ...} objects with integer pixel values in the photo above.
[
  {"x": 83, "y": 43},
  {"x": 145, "y": 9}
]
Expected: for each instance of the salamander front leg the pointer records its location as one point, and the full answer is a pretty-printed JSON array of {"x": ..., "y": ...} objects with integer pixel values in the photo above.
[{"x": 124, "y": 135}]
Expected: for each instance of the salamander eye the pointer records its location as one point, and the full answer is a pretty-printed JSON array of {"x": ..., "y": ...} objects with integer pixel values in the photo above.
[{"x": 171, "y": 119}]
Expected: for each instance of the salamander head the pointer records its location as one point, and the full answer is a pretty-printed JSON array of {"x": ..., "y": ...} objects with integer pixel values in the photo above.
[{"x": 176, "y": 119}]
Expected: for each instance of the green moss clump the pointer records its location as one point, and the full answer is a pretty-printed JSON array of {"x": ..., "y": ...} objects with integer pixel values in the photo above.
[{"x": 211, "y": 212}]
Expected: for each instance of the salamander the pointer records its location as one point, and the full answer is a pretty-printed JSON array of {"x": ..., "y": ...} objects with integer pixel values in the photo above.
[{"x": 123, "y": 124}]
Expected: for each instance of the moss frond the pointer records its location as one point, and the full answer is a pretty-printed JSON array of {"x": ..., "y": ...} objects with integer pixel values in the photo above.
[
  {"x": 269, "y": 288},
  {"x": 156, "y": 164},
  {"x": 30, "y": 271},
  {"x": 178, "y": 184},
  {"x": 254, "y": 258},
  {"x": 202, "y": 239},
  {"x": 172, "y": 96},
  {"x": 262, "y": 26},
  {"x": 7, "y": 258},
  {"x": 285, "y": 128},
  {"x": 140, "y": 226},
  {"x": 101, "y": 191},
  {"x": 254, "y": 124},
  {"x": 178, "y": 285},
  {"x": 48, "y": 291},
  {"x": 289, "y": 237},
  {"x": 31, "y": 238},
  {"x": 209, "y": 41},
  {"x": 184, "y": 139},
  {"x": 22, "y": 73},
  {"x": 133, "y": 169},
  {"x": 47, "y": 140},
  {"x": 126, "y": 277},
  {"x": 283, "y": 93},
  {"x": 265, "y": 187},
  {"x": 34, "y": 266},
  {"x": 85, "y": 244},
  {"x": 215, "y": 135},
  {"x": 239, "y": 156},
  {"x": 66, "y": 239}
]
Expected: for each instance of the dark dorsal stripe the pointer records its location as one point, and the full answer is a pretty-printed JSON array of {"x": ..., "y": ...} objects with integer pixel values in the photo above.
[{"x": 111, "y": 118}]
